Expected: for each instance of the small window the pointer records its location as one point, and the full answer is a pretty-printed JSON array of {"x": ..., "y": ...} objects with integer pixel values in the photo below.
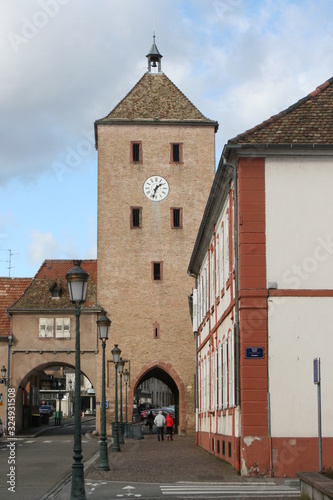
[
  {"x": 176, "y": 218},
  {"x": 176, "y": 153},
  {"x": 157, "y": 271},
  {"x": 136, "y": 152},
  {"x": 136, "y": 217},
  {"x": 156, "y": 330}
]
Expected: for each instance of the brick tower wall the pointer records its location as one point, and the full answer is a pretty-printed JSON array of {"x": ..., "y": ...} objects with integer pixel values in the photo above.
[{"x": 133, "y": 300}]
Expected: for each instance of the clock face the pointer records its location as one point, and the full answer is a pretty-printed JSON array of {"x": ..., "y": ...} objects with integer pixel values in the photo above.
[{"x": 156, "y": 188}]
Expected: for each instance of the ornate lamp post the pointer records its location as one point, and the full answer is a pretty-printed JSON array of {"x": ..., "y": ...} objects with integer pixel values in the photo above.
[
  {"x": 116, "y": 357},
  {"x": 60, "y": 398},
  {"x": 3, "y": 374},
  {"x": 77, "y": 285},
  {"x": 126, "y": 378},
  {"x": 121, "y": 428},
  {"x": 70, "y": 384},
  {"x": 103, "y": 324}
]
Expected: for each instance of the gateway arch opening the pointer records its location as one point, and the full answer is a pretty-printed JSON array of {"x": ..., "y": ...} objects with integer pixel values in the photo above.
[{"x": 156, "y": 389}]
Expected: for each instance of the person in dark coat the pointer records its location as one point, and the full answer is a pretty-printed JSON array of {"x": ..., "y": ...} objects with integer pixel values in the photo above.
[{"x": 150, "y": 421}]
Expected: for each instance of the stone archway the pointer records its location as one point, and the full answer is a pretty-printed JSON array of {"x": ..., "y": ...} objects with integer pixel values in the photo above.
[
  {"x": 21, "y": 379},
  {"x": 167, "y": 374}
]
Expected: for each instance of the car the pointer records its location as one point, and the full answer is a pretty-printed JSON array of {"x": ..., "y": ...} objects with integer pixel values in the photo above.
[{"x": 46, "y": 410}]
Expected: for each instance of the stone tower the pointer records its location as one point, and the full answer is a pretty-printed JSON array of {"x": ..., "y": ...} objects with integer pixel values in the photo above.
[{"x": 156, "y": 158}]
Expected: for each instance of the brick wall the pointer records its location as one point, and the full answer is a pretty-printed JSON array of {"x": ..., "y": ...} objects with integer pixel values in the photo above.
[{"x": 134, "y": 302}]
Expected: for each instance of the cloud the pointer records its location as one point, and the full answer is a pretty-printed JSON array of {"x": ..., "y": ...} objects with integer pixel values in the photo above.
[{"x": 43, "y": 246}]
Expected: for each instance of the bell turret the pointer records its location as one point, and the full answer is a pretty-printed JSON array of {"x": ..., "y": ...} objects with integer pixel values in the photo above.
[{"x": 154, "y": 57}]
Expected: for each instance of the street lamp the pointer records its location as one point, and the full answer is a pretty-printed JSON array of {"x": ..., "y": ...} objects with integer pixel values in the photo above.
[
  {"x": 116, "y": 357},
  {"x": 126, "y": 378},
  {"x": 77, "y": 285},
  {"x": 57, "y": 420},
  {"x": 3, "y": 374},
  {"x": 103, "y": 324},
  {"x": 121, "y": 429},
  {"x": 70, "y": 384},
  {"x": 60, "y": 398}
]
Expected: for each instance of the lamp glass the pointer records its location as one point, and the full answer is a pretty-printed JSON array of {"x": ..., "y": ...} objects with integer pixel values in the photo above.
[
  {"x": 121, "y": 366},
  {"x": 116, "y": 353},
  {"x": 103, "y": 324},
  {"x": 126, "y": 375},
  {"x": 3, "y": 371},
  {"x": 77, "y": 283}
]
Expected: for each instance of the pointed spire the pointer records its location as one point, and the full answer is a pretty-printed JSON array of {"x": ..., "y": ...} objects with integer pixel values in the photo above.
[{"x": 154, "y": 57}]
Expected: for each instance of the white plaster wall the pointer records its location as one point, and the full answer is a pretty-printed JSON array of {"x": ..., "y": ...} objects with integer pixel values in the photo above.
[
  {"x": 299, "y": 330},
  {"x": 299, "y": 222}
]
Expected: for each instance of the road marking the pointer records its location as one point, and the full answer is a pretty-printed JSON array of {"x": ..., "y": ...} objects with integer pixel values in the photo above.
[
  {"x": 29, "y": 442},
  {"x": 129, "y": 494},
  {"x": 232, "y": 490},
  {"x": 47, "y": 441}
]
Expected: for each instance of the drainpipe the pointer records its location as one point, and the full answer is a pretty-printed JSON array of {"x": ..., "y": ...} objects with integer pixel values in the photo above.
[{"x": 10, "y": 339}]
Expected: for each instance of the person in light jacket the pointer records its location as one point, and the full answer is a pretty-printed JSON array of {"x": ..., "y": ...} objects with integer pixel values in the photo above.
[{"x": 159, "y": 421}]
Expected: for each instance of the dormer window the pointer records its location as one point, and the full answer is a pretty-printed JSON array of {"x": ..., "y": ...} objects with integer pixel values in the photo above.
[{"x": 56, "y": 291}]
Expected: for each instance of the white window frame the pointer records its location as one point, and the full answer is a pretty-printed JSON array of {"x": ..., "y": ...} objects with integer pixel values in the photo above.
[
  {"x": 231, "y": 370},
  {"x": 63, "y": 328},
  {"x": 226, "y": 247},
  {"x": 46, "y": 328},
  {"x": 217, "y": 265},
  {"x": 222, "y": 258},
  {"x": 220, "y": 384},
  {"x": 225, "y": 374}
]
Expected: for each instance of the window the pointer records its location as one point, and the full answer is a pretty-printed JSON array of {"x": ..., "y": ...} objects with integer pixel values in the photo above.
[
  {"x": 176, "y": 218},
  {"x": 231, "y": 368},
  {"x": 176, "y": 153},
  {"x": 156, "y": 330},
  {"x": 46, "y": 327},
  {"x": 63, "y": 328},
  {"x": 136, "y": 217},
  {"x": 136, "y": 152},
  {"x": 157, "y": 271}
]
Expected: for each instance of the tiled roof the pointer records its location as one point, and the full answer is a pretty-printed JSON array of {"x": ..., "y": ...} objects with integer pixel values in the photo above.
[
  {"x": 308, "y": 121},
  {"x": 53, "y": 273},
  {"x": 10, "y": 290},
  {"x": 156, "y": 98}
]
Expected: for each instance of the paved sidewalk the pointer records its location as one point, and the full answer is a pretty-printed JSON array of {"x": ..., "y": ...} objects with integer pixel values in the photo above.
[
  {"x": 145, "y": 462},
  {"x": 152, "y": 461}
]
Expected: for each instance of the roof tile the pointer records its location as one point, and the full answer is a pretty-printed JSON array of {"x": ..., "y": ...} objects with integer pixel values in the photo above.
[
  {"x": 10, "y": 290},
  {"x": 308, "y": 121}
]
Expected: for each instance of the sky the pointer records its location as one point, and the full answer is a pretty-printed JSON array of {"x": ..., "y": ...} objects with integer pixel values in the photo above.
[{"x": 66, "y": 63}]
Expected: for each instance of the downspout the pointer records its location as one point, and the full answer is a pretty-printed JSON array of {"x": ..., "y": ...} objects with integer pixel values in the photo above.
[
  {"x": 196, "y": 390},
  {"x": 10, "y": 339}
]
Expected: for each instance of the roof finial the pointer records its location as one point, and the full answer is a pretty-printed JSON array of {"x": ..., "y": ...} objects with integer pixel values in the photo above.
[{"x": 154, "y": 57}]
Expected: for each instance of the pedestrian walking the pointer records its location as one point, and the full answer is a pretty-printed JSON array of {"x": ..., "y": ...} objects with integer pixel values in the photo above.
[
  {"x": 150, "y": 421},
  {"x": 169, "y": 426},
  {"x": 159, "y": 421}
]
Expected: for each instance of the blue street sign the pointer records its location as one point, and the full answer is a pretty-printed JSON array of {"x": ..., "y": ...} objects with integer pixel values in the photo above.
[
  {"x": 254, "y": 352},
  {"x": 316, "y": 371}
]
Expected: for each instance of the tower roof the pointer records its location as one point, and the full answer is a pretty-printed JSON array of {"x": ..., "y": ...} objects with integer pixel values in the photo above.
[{"x": 156, "y": 100}]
